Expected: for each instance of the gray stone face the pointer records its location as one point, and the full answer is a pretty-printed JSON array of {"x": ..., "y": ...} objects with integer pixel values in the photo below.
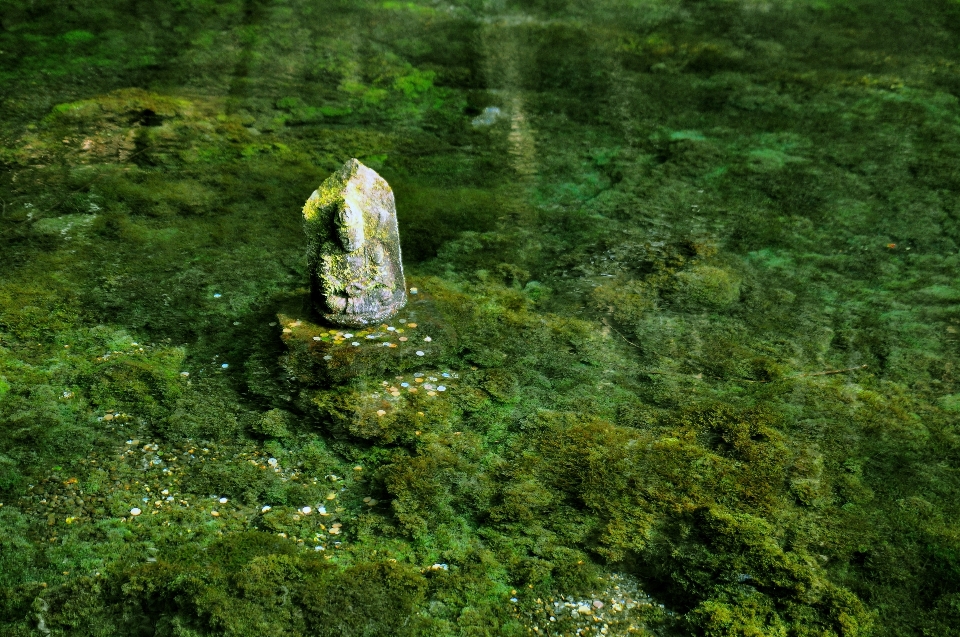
[{"x": 356, "y": 276}]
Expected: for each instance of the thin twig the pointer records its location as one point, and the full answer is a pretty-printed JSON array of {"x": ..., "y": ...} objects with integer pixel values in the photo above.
[
  {"x": 832, "y": 371},
  {"x": 607, "y": 323},
  {"x": 750, "y": 380}
]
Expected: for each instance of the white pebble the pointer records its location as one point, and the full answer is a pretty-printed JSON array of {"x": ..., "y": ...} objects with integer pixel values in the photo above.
[
  {"x": 348, "y": 336},
  {"x": 392, "y": 328},
  {"x": 184, "y": 374},
  {"x": 427, "y": 339},
  {"x": 217, "y": 296},
  {"x": 223, "y": 500},
  {"x": 441, "y": 388},
  {"x": 225, "y": 365},
  {"x": 413, "y": 290},
  {"x": 316, "y": 338},
  {"x": 306, "y": 510},
  {"x": 419, "y": 353},
  {"x": 272, "y": 462},
  {"x": 265, "y": 508},
  {"x": 135, "y": 511},
  {"x": 355, "y": 344},
  {"x": 328, "y": 357}
]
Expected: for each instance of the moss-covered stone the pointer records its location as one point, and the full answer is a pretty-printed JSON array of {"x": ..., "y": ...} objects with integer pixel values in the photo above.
[{"x": 356, "y": 275}]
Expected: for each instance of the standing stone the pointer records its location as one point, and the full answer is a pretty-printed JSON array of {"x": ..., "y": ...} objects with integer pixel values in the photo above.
[{"x": 356, "y": 276}]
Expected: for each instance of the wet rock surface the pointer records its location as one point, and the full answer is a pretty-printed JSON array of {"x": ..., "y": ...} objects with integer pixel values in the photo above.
[{"x": 356, "y": 275}]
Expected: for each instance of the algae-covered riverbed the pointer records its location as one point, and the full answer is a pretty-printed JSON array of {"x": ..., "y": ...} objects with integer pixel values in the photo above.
[{"x": 681, "y": 358}]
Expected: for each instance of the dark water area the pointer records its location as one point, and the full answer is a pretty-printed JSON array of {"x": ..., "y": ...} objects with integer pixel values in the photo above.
[{"x": 686, "y": 272}]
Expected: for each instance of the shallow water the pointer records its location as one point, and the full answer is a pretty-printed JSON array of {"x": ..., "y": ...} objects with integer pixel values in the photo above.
[{"x": 688, "y": 271}]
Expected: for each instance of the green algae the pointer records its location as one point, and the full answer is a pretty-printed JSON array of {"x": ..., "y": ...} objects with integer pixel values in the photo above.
[{"x": 697, "y": 285}]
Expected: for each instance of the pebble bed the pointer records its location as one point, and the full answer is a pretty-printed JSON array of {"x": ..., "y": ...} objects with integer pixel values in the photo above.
[
  {"x": 620, "y": 608},
  {"x": 142, "y": 479}
]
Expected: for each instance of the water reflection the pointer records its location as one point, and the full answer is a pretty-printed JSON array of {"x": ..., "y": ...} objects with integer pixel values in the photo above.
[{"x": 504, "y": 54}]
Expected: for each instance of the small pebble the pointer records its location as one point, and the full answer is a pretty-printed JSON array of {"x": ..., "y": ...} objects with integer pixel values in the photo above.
[
  {"x": 215, "y": 514},
  {"x": 225, "y": 365},
  {"x": 217, "y": 295},
  {"x": 316, "y": 338},
  {"x": 441, "y": 388},
  {"x": 135, "y": 511},
  {"x": 265, "y": 508},
  {"x": 348, "y": 336},
  {"x": 355, "y": 344},
  {"x": 403, "y": 339},
  {"x": 328, "y": 357},
  {"x": 419, "y": 353},
  {"x": 272, "y": 462},
  {"x": 184, "y": 374},
  {"x": 413, "y": 290},
  {"x": 306, "y": 510},
  {"x": 428, "y": 339},
  {"x": 223, "y": 500},
  {"x": 381, "y": 412}
]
